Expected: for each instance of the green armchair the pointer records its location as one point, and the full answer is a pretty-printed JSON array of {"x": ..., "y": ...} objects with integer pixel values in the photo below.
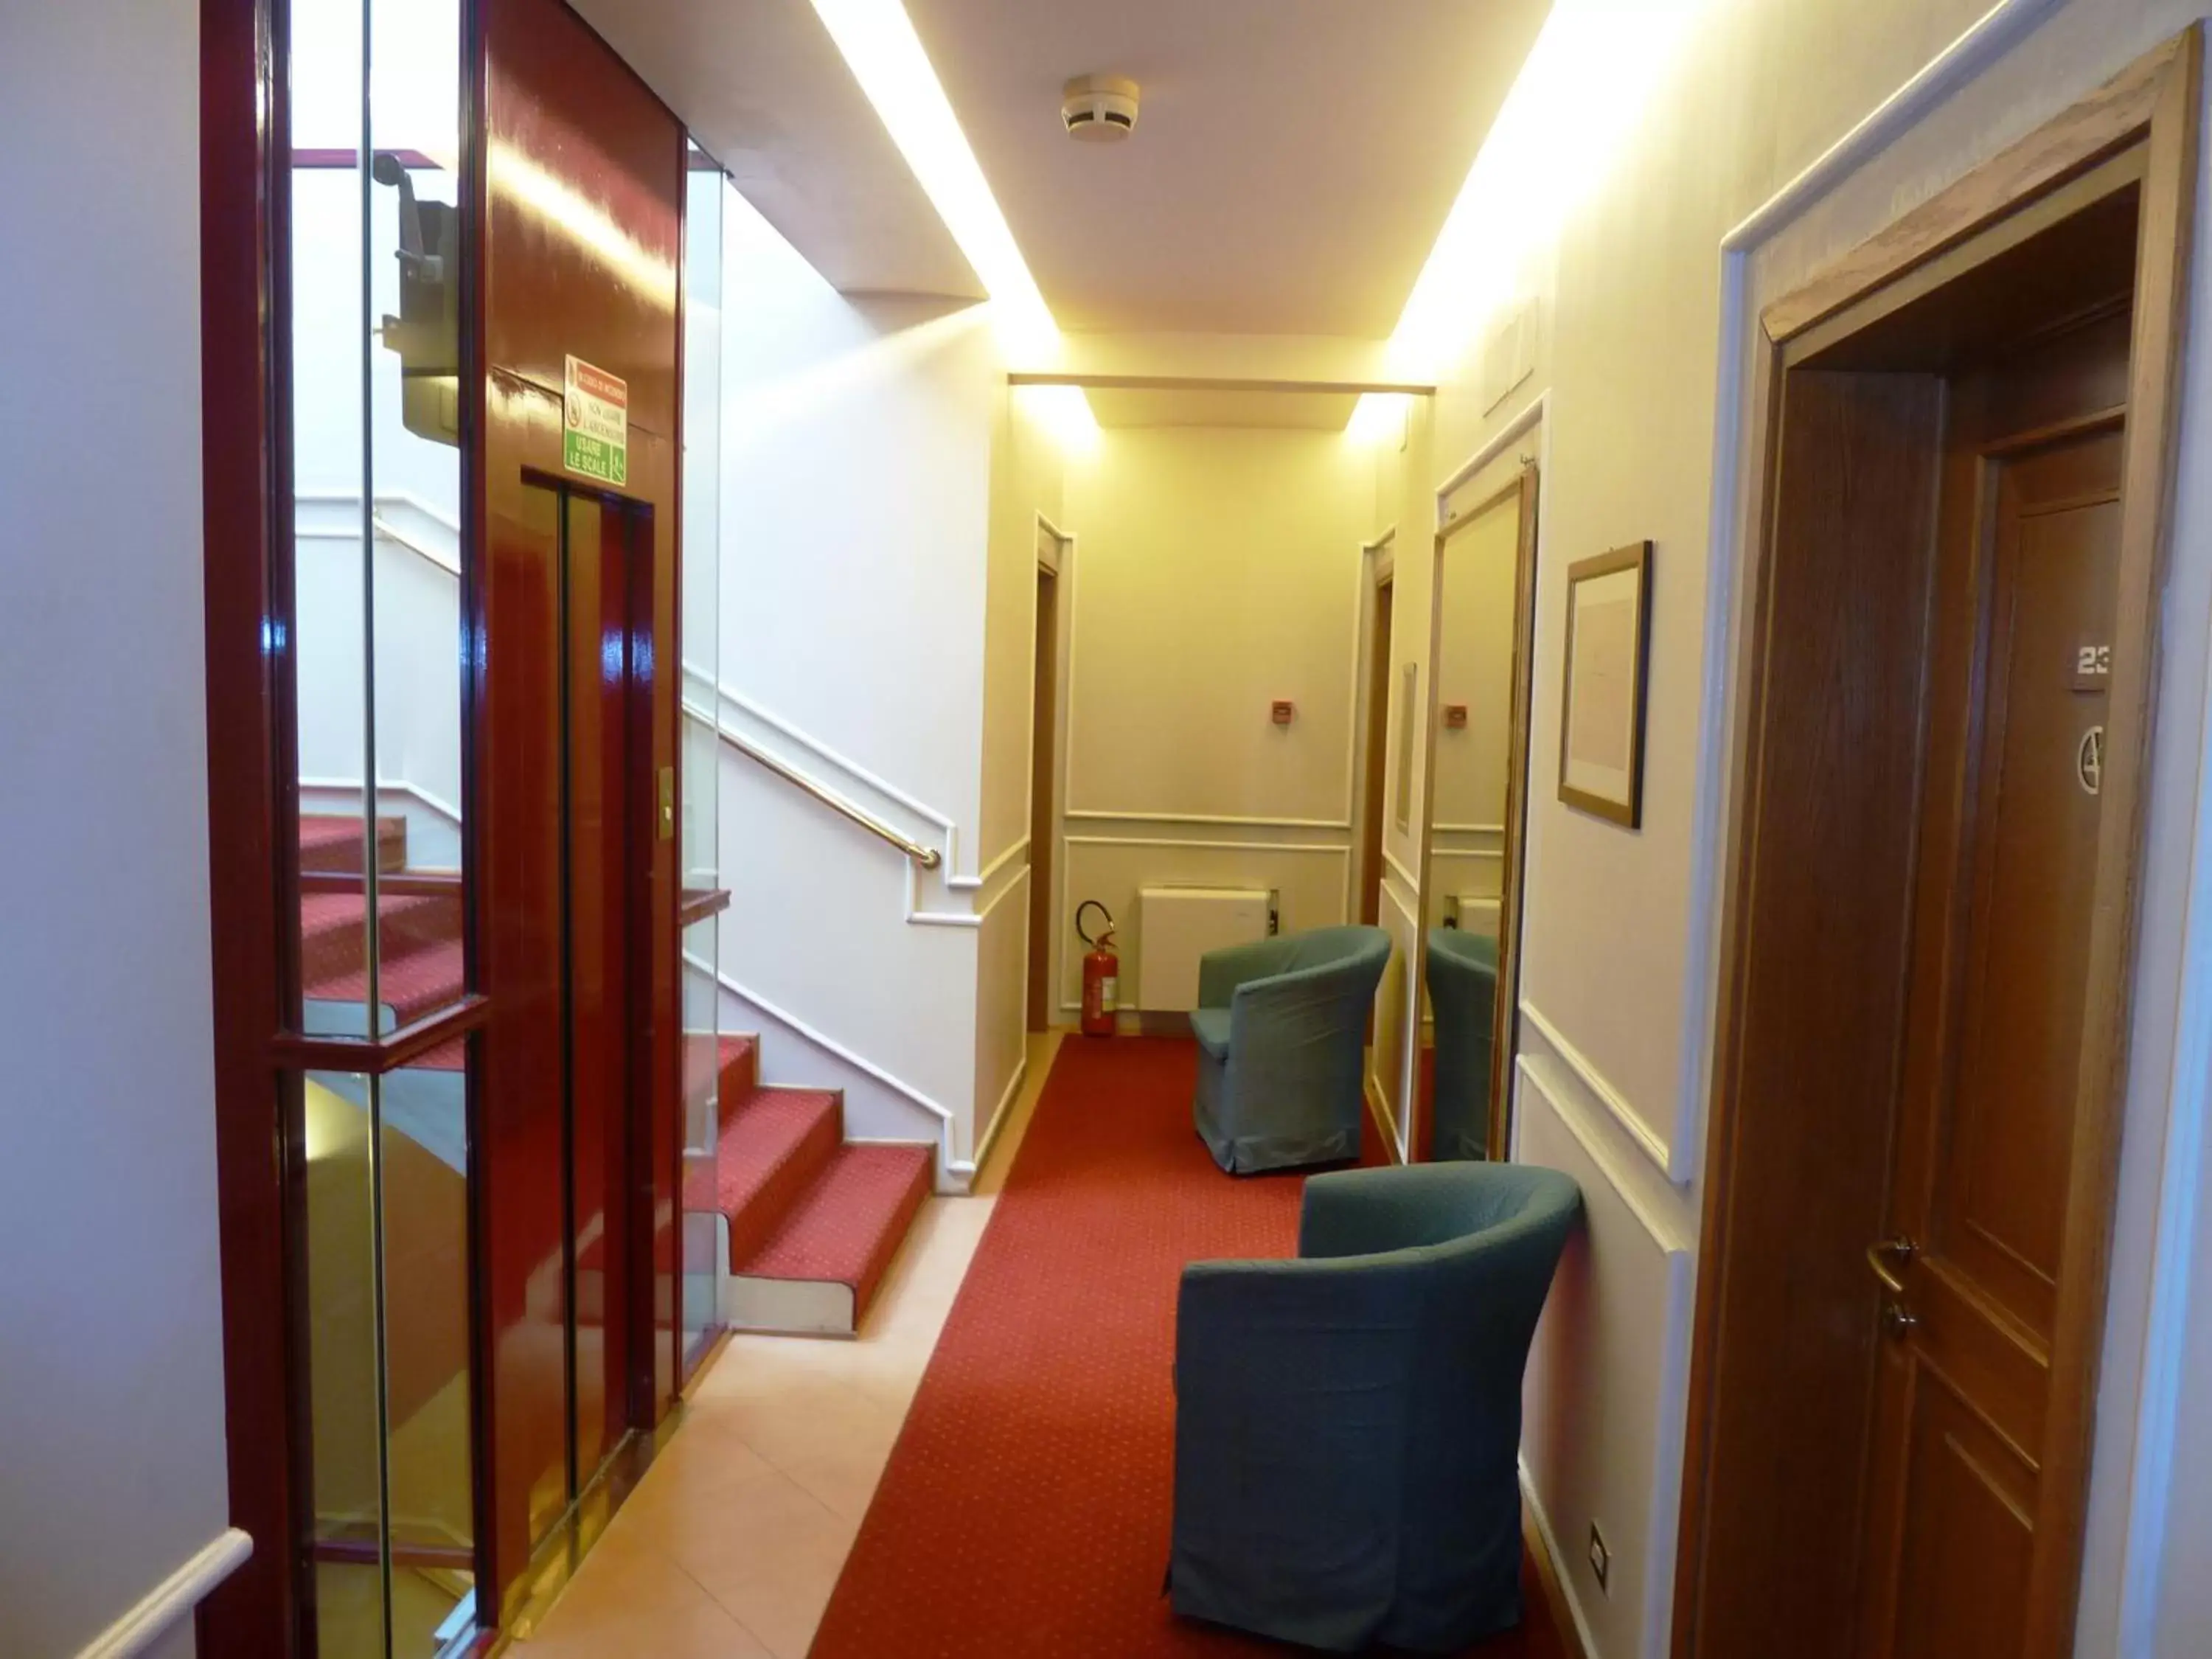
[
  {"x": 1348, "y": 1423},
  {"x": 1282, "y": 1027},
  {"x": 1462, "y": 976}
]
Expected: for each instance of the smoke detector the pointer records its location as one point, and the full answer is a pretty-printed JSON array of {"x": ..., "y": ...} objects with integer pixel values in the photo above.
[{"x": 1098, "y": 109}]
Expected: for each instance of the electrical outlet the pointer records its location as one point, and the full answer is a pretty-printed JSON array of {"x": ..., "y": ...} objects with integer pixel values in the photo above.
[{"x": 1600, "y": 1558}]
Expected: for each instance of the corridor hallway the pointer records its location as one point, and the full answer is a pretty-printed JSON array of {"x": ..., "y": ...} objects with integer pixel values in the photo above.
[{"x": 985, "y": 1469}]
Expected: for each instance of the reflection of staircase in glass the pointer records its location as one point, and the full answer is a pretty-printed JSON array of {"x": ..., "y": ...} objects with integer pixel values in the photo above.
[
  {"x": 423, "y": 1180},
  {"x": 418, "y": 920},
  {"x": 805, "y": 1223}
]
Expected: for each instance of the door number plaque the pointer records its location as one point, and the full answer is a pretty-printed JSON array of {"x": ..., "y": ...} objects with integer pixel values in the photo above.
[{"x": 2093, "y": 667}]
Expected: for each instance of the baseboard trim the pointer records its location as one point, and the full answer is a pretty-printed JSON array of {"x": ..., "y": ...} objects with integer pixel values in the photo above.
[
  {"x": 1543, "y": 1550},
  {"x": 1372, "y": 1092},
  {"x": 999, "y": 1116},
  {"x": 1566, "y": 1611},
  {"x": 170, "y": 1602}
]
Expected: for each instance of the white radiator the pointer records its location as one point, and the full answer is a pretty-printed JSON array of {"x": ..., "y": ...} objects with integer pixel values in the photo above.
[
  {"x": 1473, "y": 913},
  {"x": 1176, "y": 925}
]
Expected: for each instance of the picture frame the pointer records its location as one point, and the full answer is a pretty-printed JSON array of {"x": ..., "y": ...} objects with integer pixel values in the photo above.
[{"x": 1602, "y": 688}]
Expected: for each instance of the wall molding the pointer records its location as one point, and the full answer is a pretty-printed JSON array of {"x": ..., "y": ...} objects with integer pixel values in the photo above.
[
  {"x": 948, "y": 1165},
  {"x": 1523, "y": 421},
  {"x": 1670, "y": 1404},
  {"x": 1074, "y": 816},
  {"x": 170, "y": 1602},
  {"x": 309, "y": 525},
  {"x": 1019, "y": 880},
  {"x": 444, "y": 809},
  {"x": 1343, "y": 850},
  {"x": 1560, "y": 1573},
  {"x": 890, "y": 800},
  {"x": 935, "y": 826},
  {"x": 1000, "y": 1113},
  {"x": 1328, "y": 848},
  {"x": 1579, "y": 1121},
  {"x": 1392, "y": 868},
  {"x": 1666, "y": 1158}
]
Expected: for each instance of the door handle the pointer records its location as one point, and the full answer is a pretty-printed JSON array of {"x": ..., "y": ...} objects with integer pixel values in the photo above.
[{"x": 1901, "y": 1250}]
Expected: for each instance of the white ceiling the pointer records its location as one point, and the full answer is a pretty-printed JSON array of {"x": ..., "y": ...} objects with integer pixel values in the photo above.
[
  {"x": 764, "y": 90},
  {"x": 1292, "y": 162}
]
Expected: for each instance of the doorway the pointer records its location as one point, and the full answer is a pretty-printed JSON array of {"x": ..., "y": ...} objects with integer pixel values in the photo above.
[
  {"x": 1375, "y": 680},
  {"x": 1919, "y": 1058},
  {"x": 1044, "y": 770},
  {"x": 576, "y": 811}
]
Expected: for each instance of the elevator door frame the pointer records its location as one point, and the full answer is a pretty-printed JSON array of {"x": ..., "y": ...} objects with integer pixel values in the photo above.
[{"x": 631, "y": 897}]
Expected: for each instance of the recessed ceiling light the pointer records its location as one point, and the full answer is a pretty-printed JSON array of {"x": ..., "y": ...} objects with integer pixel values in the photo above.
[{"x": 885, "y": 55}]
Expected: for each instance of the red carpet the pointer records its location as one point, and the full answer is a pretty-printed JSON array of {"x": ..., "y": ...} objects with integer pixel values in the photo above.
[{"x": 1025, "y": 1511}]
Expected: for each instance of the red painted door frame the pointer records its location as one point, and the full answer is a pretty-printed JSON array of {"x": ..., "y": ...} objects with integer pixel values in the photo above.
[{"x": 564, "y": 96}]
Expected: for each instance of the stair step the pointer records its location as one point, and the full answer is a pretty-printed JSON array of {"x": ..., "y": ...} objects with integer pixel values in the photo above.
[
  {"x": 333, "y": 938},
  {"x": 331, "y": 842},
  {"x": 411, "y": 984},
  {"x": 844, "y": 1230},
  {"x": 772, "y": 1148},
  {"x": 723, "y": 1064}
]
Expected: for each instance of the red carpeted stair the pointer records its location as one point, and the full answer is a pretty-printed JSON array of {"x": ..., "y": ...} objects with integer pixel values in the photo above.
[
  {"x": 332, "y": 843},
  {"x": 418, "y": 923},
  {"x": 812, "y": 1222}
]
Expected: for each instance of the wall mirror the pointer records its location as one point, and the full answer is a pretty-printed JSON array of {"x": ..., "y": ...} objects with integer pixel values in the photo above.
[{"x": 1474, "y": 807}]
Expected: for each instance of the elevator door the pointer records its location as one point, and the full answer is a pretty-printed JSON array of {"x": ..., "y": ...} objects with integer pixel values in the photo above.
[
  {"x": 567, "y": 844},
  {"x": 607, "y": 819}
]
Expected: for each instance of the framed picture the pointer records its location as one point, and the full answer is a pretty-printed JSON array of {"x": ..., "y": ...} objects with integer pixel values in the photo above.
[{"x": 1601, "y": 710}]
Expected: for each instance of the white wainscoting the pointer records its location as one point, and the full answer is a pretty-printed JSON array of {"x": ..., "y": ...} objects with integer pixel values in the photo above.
[
  {"x": 1672, "y": 1160},
  {"x": 1607, "y": 1384},
  {"x": 1310, "y": 873}
]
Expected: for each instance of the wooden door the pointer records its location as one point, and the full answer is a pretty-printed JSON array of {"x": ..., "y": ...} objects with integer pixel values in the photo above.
[
  {"x": 1968, "y": 1265},
  {"x": 1378, "y": 747},
  {"x": 1044, "y": 735}
]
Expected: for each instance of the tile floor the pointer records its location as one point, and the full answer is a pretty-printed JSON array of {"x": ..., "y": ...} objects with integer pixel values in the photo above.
[{"x": 733, "y": 1541}]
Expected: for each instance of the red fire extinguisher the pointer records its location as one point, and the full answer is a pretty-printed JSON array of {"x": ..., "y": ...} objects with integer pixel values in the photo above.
[{"x": 1102, "y": 972}]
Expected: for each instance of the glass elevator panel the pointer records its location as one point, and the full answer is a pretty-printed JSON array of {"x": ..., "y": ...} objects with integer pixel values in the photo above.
[
  {"x": 712, "y": 1069},
  {"x": 371, "y": 264}
]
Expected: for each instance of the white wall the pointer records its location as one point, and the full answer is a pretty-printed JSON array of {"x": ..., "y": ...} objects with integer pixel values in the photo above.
[
  {"x": 111, "y": 1472},
  {"x": 1216, "y": 569},
  {"x": 855, "y": 508},
  {"x": 1618, "y": 971},
  {"x": 1026, "y": 497}
]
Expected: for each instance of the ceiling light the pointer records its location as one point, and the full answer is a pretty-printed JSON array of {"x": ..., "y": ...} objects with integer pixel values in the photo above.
[
  {"x": 885, "y": 55},
  {"x": 1561, "y": 127}
]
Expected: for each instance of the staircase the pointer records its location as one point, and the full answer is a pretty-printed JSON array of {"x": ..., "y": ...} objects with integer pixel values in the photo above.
[
  {"x": 808, "y": 1223},
  {"x": 804, "y": 1223}
]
